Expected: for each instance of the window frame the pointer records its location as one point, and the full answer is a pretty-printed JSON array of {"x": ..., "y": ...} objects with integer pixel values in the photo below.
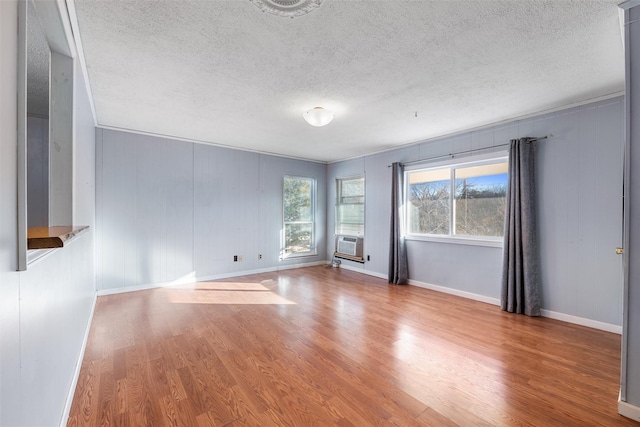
[
  {"x": 313, "y": 249},
  {"x": 338, "y": 204},
  {"x": 453, "y": 163},
  {"x": 62, "y": 53}
]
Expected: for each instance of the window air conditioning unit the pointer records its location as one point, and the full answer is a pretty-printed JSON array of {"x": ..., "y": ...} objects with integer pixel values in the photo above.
[{"x": 349, "y": 247}]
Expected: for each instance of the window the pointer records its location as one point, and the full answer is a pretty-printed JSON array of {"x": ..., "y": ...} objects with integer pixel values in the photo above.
[
  {"x": 463, "y": 200},
  {"x": 299, "y": 216},
  {"x": 350, "y": 206},
  {"x": 45, "y": 101}
]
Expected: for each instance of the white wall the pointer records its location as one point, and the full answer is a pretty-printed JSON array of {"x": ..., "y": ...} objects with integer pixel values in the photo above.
[
  {"x": 168, "y": 210},
  {"x": 579, "y": 213},
  {"x": 44, "y": 311}
]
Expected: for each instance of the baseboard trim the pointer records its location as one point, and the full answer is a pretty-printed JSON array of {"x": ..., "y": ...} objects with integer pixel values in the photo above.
[
  {"x": 76, "y": 373},
  {"x": 429, "y": 286},
  {"x": 363, "y": 271},
  {"x": 424, "y": 285},
  {"x": 607, "y": 327},
  {"x": 260, "y": 270},
  {"x": 595, "y": 324},
  {"x": 456, "y": 292},
  {"x": 191, "y": 278},
  {"x": 628, "y": 410}
]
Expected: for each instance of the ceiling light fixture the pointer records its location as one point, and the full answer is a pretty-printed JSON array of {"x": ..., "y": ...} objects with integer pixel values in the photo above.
[
  {"x": 318, "y": 116},
  {"x": 287, "y": 8}
]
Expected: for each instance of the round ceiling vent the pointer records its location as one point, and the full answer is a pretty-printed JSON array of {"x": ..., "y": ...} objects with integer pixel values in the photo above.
[{"x": 287, "y": 8}]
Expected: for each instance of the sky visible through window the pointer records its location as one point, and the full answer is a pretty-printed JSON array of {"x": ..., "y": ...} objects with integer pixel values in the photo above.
[
  {"x": 465, "y": 200},
  {"x": 489, "y": 181}
]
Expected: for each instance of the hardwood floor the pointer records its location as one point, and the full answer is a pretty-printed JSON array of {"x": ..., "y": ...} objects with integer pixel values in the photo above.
[{"x": 326, "y": 346}]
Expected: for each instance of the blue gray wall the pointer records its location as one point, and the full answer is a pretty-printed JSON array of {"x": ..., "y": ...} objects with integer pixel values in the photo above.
[
  {"x": 44, "y": 311},
  {"x": 579, "y": 214},
  {"x": 169, "y": 210}
]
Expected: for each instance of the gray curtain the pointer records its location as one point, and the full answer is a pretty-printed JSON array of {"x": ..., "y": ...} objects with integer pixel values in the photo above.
[
  {"x": 398, "y": 265},
  {"x": 520, "y": 268}
]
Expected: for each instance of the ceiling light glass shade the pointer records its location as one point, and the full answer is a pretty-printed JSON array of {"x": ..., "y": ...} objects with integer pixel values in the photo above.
[
  {"x": 288, "y": 8},
  {"x": 318, "y": 116}
]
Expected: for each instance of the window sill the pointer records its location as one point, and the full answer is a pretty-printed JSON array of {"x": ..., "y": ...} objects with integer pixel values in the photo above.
[
  {"x": 348, "y": 257},
  {"x": 300, "y": 255},
  {"x": 52, "y": 237},
  {"x": 458, "y": 240}
]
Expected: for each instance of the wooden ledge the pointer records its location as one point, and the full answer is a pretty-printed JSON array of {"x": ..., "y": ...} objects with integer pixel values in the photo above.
[
  {"x": 349, "y": 257},
  {"x": 52, "y": 237}
]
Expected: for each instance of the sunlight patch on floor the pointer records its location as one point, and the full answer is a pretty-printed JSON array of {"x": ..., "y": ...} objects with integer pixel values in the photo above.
[
  {"x": 240, "y": 293},
  {"x": 230, "y": 286}
]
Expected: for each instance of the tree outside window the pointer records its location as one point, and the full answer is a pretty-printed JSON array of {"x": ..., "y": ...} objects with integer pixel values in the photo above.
[
  {"x": 299, "y": 208},
  {"x": 459, "y": 200}
]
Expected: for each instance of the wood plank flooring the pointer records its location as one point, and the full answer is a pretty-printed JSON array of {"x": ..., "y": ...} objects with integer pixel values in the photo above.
[{"x": 325, "y": 346}]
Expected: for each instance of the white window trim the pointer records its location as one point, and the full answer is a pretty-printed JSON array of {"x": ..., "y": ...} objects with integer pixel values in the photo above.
[
  {"x": 457, "y": 240},
  {"x": 339, "y": 204},
  {"x": 474, "y": 160},
  {"x": 313, "y": 251}
]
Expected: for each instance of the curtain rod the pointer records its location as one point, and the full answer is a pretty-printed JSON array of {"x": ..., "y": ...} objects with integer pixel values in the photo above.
[{"x": 475, "y": 150}]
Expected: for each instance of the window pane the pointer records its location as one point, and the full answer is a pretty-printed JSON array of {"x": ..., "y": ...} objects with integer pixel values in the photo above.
[
  {"x": 298, "y": 199},
  {"x": 480, "y": 200},
  {"x": 428, "y": 207},
  {"x": 298, "y": 208},
  {"x": 350, "y": 219},
  {"x": 350, "y": 206},
  {"x": 297, "y": 237},
  {"x": 351, "y": 190},
  {"x": 352, "y": 199}
]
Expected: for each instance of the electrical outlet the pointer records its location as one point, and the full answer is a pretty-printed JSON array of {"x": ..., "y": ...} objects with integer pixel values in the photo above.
[
  {"x": 368, "y": 258},
  {"x": 235, "y": 258},
  {"x": 259, "y": 256}
]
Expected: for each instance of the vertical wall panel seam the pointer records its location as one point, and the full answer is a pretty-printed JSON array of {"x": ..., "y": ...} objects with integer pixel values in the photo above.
[
  {"x": 136, "y": 235},
  {"x": 193, "y": 209},
  {"x": 165, "y": 223},
  {"x": 101, "y": 195},
  {"x": 124, "y": 240},
  {"x": 593, "y": 207}
]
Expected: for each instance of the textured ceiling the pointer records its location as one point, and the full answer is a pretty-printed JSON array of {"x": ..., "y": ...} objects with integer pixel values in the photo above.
[{"x": 225, "y": 72}]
